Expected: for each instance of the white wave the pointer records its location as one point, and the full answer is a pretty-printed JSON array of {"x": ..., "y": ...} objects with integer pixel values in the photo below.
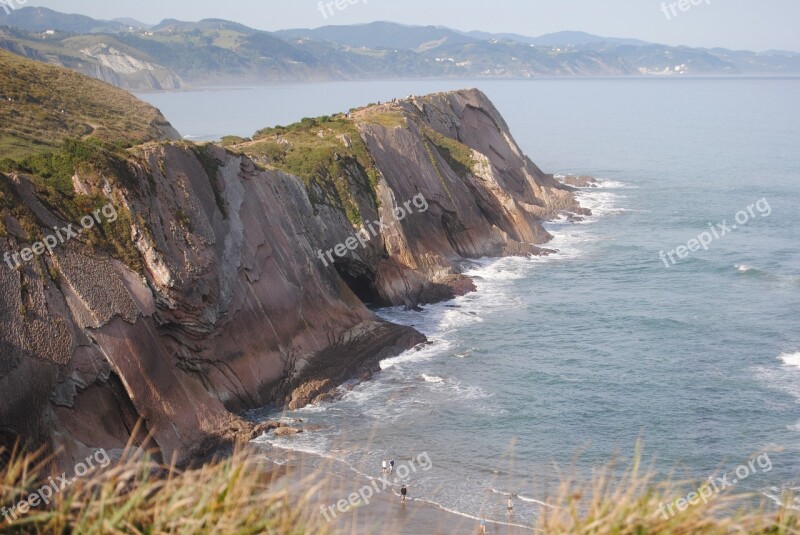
[
  {"x": 791, "y": 359},
  {"x": 462, "y": 391},
  {"x": 456, "y": 389},
  {"x": 500, "y": 269},
  {"x": 779, "y": 496},
  {"x": 568, "y": 242},
  {"x": 472, "y": 517},
  {"x": 779, "y": 379},
  {"x": 603, "y": 183},
  {"x": 562, "y": 217},
  {"x": 432, "y": 378},
  {"x": 317, "y": 445},
  {"x": 424, "y": 353},
  {"x": 318, "y": 407},
  {"x": 601, "y": 203},
  {"x": 600, "y": 183},
  {"x": 743, "y": 267},
  {"x": 522, "y": 498}
]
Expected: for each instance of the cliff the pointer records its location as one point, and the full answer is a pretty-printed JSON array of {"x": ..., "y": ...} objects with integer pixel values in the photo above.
[
  {"x": 100, "y": 57},
  {"x": 210, "y": 291}
]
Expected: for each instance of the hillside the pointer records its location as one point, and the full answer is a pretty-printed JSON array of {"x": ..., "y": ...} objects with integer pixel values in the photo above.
[
  {"x": 175, "y": 54},
  {"x": 377, "y": 35},
  {"x": 209, "y": 292},
  {"x": 41, "y": 105}
]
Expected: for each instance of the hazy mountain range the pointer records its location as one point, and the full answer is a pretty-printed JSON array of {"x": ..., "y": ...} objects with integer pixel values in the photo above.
[{"x": 174, "y": 54}]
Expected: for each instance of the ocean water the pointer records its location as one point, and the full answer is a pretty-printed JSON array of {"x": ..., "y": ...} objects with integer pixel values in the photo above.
[{"x": 560, "y": 364}]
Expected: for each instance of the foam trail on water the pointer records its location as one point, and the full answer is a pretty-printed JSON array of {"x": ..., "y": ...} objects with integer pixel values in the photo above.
[
  {"x": 522, "y": 498},
  {"x": 791, "y": 359}
]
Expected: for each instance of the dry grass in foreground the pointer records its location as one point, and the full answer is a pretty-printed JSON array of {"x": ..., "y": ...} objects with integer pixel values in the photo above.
[
  {"x": 633, "y": 505},
  {"x": 138, "y": 496},
  {"x": 135, "y": 495}
]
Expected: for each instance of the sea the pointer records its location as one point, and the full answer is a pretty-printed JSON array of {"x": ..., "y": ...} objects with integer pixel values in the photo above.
[{"x": 634, "y": 334}]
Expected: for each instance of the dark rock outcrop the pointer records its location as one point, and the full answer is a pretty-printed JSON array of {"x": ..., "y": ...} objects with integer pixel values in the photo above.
[{"x": 582, "y": 181}]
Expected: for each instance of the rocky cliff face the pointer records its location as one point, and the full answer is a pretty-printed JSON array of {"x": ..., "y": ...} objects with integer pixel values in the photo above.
[
  {"x": 103, "y": 62},
  {"x": 490, "y": 204},
  {"x": 224, "y": 299}
]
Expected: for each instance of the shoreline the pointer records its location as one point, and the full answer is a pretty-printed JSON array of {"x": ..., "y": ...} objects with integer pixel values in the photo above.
[
  {"x": 419, "y": 514},
  {"x": 315, "y": 484}
]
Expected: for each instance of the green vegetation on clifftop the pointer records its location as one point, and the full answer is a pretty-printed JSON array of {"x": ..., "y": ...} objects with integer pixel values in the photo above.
[
  {"x": 51, "y": 174},
  {"x": 41, "y": 105},
  {"x": 327, "y": 153}
]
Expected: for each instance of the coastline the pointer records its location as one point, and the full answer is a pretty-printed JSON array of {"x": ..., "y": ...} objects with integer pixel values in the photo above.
[
  {"x": 314, "y": 484},
  {"x": 332, "y": 479}
]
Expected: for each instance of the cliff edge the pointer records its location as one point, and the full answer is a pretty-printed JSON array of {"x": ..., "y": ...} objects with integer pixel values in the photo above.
[{"x": 233, "y": 277}]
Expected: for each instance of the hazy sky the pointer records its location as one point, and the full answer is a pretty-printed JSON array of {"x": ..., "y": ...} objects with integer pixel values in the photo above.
[{"x": 737, "y": 24}]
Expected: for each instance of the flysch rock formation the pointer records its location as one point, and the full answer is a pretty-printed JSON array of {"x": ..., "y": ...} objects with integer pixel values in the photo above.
[
  {"x": 230, "y": 307},
  {"x": 495, "y": 209},
  {"x": 103, "y": 62}
]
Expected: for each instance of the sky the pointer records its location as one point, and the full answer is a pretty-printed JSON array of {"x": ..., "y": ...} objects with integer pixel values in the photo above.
[{"x": 736, "y": 24}]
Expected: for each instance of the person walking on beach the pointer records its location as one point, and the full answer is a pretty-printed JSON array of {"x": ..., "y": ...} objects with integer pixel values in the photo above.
[
  {"x": 403, "y": 492},
  {"x": 510, "y": 506},
  {"x": 483, "y": 525},
  {"x": 391, "y": 466},
  {"x": 383, "y": 466}
]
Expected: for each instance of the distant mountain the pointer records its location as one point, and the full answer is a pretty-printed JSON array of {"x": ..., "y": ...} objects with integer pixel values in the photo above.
[
  {"x": 175, "y": 53},
  {"x": 383, "y": 35},
  {"x": 173, "y": 26},
  {"x": 41, "y": 19},
  {"x": 558, "y": 39},
  {"x": 127, "y": 21}
]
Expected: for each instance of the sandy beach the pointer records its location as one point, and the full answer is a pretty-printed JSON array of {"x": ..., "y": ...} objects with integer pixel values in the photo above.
[{"x": 317, "y": 485}]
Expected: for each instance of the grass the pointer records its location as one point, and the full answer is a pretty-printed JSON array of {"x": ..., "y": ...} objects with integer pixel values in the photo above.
[
  {"x": 41, "y": 105},
  {"x": 137, "y": 495},
  {"x": 328, "y": 154},
  {"x": 314, "y": 150},
  {"x": 51, "y": 175},
  {"x": 457, "y": 155},
  {"x": 630, "y": 505},
  {"x": 388, "y": 119}
]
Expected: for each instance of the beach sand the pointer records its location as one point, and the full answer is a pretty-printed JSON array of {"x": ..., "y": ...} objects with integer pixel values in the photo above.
[{"x": 315, "y": 484}]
